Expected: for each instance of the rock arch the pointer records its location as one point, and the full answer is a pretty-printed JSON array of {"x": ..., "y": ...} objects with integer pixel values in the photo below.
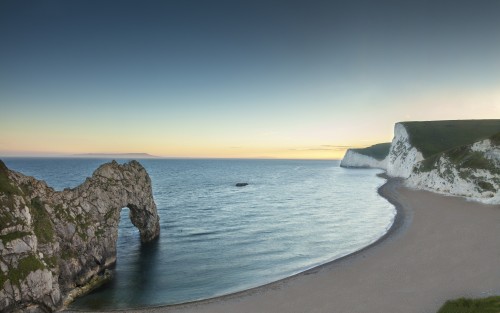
[{"x": 69, "y": 237}]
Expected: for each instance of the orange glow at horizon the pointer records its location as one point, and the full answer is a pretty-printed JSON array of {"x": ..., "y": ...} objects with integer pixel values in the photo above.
[
  {"x": 190, "y": 152},
  {"x": 326, "y": 135}
]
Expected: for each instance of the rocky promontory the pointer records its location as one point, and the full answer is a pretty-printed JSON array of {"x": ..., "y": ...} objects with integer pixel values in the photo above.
[{"x": 54, "y": 245}]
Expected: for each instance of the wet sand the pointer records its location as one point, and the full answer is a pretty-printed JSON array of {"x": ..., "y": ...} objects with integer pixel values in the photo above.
[{"x": 439, "y": 248}]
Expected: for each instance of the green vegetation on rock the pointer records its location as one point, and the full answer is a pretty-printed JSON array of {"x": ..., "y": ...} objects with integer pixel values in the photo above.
[
  {"x": 51, "y": 261},
  {"x": 7, "y": 219},
  {"x": 98, "y": 233},
  {"x": 67, "y": 254},
  {"x": 12, "y": 236},
  {"x": 464, "y": 305},
  {"x": 5, "y": 184},
  {"x": 486, "y": 186},
  {"x": 378, "y": 151},
  {"x": 438, "y": 136},
  {"x": 63, "y": 214},
  {"x": 7, "y": 194},
  {"x": 42, "y": 224},
  {"x": 495, "y": 139},
  {"x": 428, "y": 164},
  {"x": 465, "y": 160},
  {"x": 25, "y": 266},
  {"x": 3, "y": 279}
]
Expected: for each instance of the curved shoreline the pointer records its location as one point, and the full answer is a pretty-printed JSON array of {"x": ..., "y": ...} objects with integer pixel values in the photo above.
[
  {"x": 386, "y": 190},
  {"x": 439, "y": 248}
]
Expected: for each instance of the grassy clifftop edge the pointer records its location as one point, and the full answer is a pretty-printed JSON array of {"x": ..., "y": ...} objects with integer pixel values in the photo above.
[
  {"x": 434, "y": 137},
  {"x": 378, "y": 151}
]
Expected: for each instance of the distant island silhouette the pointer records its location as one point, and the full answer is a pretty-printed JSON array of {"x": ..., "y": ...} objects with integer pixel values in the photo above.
[{"x": 117, "y": 155}]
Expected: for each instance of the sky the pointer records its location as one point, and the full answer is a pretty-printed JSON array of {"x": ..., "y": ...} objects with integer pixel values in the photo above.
[{"x": 239, "y": 79}]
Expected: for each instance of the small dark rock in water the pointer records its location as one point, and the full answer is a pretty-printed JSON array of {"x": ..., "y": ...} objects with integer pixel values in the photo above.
[{"x": 241, "y": 184}]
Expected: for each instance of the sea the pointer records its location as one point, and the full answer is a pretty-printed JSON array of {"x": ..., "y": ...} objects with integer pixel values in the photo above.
[{"x": 217, "y": 238}]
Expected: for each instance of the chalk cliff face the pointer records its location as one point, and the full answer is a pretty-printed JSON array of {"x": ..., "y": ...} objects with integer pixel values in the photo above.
[
  {"x": 472, "y": 171},
  {"x": 358, "y": 160},
  {"x": 399, "y": 162},
  {"x": 54, "y": 244},
  {"x": 402, "y": 156}
]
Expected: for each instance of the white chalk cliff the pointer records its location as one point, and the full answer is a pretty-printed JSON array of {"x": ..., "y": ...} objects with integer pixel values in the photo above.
[
  {"x": 402, "y": 156},
  {"x": 399, "y": 162},
  {"x": 443, "y": 174},
  {"x": 355, "y": 159}
]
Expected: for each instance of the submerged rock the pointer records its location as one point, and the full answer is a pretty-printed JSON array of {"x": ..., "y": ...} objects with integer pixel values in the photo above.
[
  {"x": 241, "y": 184},
  {"x": 54, "y": 244}
]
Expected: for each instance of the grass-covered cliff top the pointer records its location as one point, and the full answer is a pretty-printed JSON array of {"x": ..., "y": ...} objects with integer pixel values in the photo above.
[
  {"x": 378, "y": 151},
  {"x": 438, "y": 136}
]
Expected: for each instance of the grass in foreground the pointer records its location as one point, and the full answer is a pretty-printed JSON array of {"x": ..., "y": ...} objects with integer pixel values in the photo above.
[{"x": 464, "y": 305}]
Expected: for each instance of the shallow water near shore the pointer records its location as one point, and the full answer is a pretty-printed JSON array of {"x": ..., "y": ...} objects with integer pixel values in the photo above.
[{"x": 217, "y": 238}]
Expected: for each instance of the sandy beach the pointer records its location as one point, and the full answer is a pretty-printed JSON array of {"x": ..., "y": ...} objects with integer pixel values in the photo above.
[{"x": 439, "y": 248}]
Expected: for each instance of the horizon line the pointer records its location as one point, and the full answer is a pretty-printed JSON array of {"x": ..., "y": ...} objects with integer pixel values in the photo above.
[{"x": 74, "y": 156}]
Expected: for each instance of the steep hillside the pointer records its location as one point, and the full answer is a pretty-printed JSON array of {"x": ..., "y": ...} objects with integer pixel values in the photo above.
[{"x": 471, "y": 170}]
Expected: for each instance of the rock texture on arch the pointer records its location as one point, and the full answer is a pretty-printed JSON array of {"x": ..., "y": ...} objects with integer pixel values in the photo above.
[{"x": 55, "y": 244}]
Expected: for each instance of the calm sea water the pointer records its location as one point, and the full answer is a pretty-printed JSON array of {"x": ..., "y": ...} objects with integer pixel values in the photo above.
[{"x": 217, "y": 238}]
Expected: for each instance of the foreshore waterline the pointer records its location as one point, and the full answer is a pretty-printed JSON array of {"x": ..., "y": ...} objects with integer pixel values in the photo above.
[
  {"x": 388, "y": 191},
  {"x": 439, "y": 248}
]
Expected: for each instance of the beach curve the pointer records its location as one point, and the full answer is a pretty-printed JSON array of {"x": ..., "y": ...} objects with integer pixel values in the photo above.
[{"x": 435, "y": 250}]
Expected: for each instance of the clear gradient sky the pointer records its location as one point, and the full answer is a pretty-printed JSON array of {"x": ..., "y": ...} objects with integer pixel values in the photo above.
[{"x": 254, "y": 78}]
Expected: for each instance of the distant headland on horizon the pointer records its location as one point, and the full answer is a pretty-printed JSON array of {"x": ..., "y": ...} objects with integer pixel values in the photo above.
[{"x": 116, "y": 155}]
